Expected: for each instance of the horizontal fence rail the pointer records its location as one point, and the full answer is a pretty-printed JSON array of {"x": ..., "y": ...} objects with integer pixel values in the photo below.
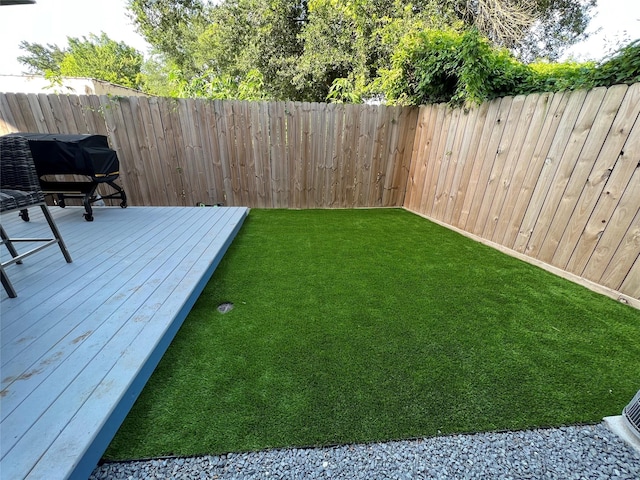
[
  {"x": 553, "y": 177},
  {"x": 256, "y": 154}
]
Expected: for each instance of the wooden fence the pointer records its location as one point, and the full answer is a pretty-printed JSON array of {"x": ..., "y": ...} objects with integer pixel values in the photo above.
[
  {"x": 286, "y": 154},
  {"x": 555, "y": 177}
]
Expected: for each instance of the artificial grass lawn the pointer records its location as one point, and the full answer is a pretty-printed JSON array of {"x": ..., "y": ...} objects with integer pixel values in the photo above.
[{"x": 367, "y": 325}]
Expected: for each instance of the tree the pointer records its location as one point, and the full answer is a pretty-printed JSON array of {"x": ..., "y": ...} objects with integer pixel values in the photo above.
[
  {"x": 41, "y": 58},
  {"x": 171, "y": 26},
  {"x": 96, "y": 57},
  {"x": 346, "y": 43},
  {"x": 530, "y": 28},
  {"x": 436, "y": 66},
  {"x": 310, "y": 49}
]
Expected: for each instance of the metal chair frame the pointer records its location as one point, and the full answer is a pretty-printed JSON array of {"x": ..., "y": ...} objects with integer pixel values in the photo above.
[{"x": 19, "y": 189}]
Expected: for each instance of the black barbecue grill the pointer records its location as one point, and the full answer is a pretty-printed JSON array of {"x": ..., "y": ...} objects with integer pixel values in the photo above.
[{"x": 85, "y": 155}]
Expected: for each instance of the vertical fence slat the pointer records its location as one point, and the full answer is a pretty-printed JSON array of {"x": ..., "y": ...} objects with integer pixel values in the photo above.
[
  {"x": 603, "y": 213},
  {"x": 511, "y": 170},
  {"x": 529, "y": 242},
  {"x": 481, "y": 202},
  {"x": 544, "y": 246},
  {"x": 599, "y": 175},
  {"x": 631, "y": 284},
  {"x": 475, "y": 126}
]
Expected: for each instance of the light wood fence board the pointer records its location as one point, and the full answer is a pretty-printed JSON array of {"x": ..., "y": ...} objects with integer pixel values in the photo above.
[
  {"x": 31, "y": 124},
  {"x": 522, "y": 164},
  {"x": 421, "y": 181},
  {"x": 475, "y": 125},
  {"x": 367, "y": 141},
  {"x": 58, "y": 115},
  {"x": 615, "y": 246},
  {"x": 79, "y": 115},
  {"x": 602, "y": 215},
  {"x": 450, "y": 163},
  {"x": 294, "y": 139},
  {"x": 161, "y": 152},
  {"x": 203, "y": 149},
  {"x": 232, "y": 153},
  {"x": 170, "y": 111},
  {"x": 508, "y": 153},
  {"x": 220, "y": 113},
  {"x": 120, "y": 141},
  {"x": 488, "y": 123},
  {"x": 359, "y": 146},
  {"x": 631, "y": 284},
  {"x": 624, "y": 256},
  {"x": 578, "y": 177},
  {"x": 257, "y": 141},
  {"x": 519, "y": 228},
  {"x": 515, "y": 168},
  {"x": 496, "y": 156},
  {"x": 532, "y": 221},
  {"x": 480, "y": 210},
  {"x": 290, "y": 156},
  {"x": 7, "y": 122},
  {"x": 137, "y": 135},
  {"x": 379, "y": 193},
  {"x": 38, "y": 114},
  {"x": 329, "y": 156},
  {"x": 598, "y": 176},
  {"x": 462, "y": 159},
  {"x": 51, "y": 125},
  {"x": 544, "y": 239},
  {"x": 437, "y": 158},
  {"x": 405, "y": 126},
  {"x": 418, "y": 158},
  {"x": 205, "y": 163},
  {"x": 319, "y": 154},
  {"x": 17, "y": 113},
  {"x": 426, "y": 184},
  {"x": 336, "y": 136},
  {"x": 85, "y": 107}
]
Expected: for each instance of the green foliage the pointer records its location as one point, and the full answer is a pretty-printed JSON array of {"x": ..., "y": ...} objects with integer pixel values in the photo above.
[
  {"x": 313, "y": 50},
  {"x": 171, "y": 26},
  {"x": 221, "y": 87},
  {"x": 96, "y": 57},
  {"x": 41, "y": 58},
  {"x": 456, "y": 67},
  {"x": 622, "y": 67}
]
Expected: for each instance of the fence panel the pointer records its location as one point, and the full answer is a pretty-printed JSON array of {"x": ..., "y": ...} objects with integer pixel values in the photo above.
[
  {"x": 552, "y": 176},
  {"x": 555, "y": 177}
]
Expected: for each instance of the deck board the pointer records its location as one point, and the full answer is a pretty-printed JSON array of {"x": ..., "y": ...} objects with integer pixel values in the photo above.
[{"x": 82, "y": 339}]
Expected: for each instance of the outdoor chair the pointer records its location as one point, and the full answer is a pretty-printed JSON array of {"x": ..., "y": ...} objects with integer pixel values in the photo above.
[{"x": 19, "y": 189}]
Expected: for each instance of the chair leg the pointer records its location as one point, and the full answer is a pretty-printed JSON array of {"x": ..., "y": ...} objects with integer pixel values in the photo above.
[
  {"x": 6, "y": 283},
  {"x": 56, "y": 233},
  {"x": 7, "y": 241}
]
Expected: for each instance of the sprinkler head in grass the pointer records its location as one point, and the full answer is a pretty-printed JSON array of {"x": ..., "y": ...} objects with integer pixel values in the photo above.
[{"x": 225, "y": 307}]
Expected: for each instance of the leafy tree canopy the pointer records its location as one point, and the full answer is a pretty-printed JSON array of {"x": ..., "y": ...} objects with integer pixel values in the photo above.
[
  {"x": 311, "y": 49},
  {"x": 450, "y": 66},
  {"x": 95, "y": 57}
]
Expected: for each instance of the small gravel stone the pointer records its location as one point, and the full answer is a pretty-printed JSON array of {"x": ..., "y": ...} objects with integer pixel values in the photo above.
[{"x": 591, "y": 451}]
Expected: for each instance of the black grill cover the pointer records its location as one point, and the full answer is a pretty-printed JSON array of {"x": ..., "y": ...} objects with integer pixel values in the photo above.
[{"x": 58, "y": 154}]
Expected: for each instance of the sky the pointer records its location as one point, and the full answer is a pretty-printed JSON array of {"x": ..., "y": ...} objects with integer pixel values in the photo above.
[{"x": 52, "y": 21}]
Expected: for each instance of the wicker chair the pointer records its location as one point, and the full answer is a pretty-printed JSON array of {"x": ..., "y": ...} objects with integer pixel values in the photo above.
[{"x": 19, "y": 189}]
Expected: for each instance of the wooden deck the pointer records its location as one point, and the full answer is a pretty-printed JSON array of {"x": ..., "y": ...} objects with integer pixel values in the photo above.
[{"x": 82, "y": 339}]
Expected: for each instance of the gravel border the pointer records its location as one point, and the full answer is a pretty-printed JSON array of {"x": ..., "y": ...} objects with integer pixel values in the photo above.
[{"x": 581, "y": 452}]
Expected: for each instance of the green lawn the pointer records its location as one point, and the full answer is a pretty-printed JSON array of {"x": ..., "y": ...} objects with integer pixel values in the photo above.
[{"x": 366, "y": 325}]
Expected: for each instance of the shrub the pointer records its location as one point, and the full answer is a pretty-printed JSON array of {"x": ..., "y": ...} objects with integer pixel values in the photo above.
[{"x": 451, "y": 66}]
